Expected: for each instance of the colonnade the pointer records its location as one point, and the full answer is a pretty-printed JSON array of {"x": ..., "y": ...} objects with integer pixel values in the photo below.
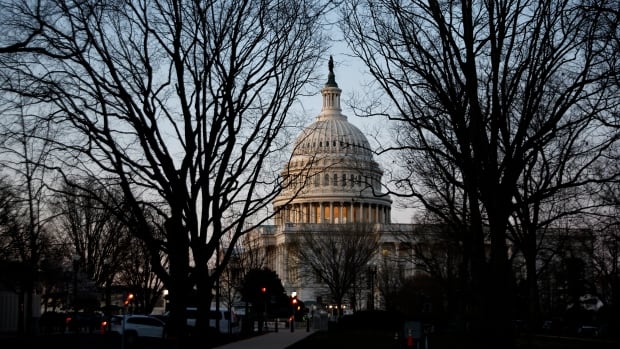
[{"x": 334, "y": 212}]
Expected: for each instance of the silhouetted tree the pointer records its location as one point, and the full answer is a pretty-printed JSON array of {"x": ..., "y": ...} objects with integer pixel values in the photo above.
[
  {"x": 336, "y": 256},
  {"x": 184, "y": 106},
  {"x": 26, "y": 152},
  {"x": 263, "y": 289},
  {"x": 477, "y": 88}
]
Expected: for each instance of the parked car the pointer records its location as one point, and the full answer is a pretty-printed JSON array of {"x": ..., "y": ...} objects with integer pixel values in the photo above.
[
  {"x": 136, "y": 326},
  {"x": 591, "y": 330},
  {"x": 226, "y": 318}
]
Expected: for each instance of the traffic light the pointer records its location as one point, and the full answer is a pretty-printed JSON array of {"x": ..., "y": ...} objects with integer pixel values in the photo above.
[
  {"x": 294, "y": 306},
  {"x": 263, "y": 290}
]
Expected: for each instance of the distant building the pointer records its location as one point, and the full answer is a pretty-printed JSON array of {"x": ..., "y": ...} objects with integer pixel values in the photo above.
[{"x": 331, "y": 179}]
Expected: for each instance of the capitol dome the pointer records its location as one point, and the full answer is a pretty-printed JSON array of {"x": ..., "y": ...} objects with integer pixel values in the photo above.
[
  {"x": 332, "y": 134},
  {"x": 332, "y": 176}
]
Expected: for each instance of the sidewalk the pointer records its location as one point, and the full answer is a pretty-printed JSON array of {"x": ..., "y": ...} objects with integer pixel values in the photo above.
[{"x": 271, "y": 340}]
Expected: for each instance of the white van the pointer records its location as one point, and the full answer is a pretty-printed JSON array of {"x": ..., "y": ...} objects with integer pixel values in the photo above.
[{"x": 225, "y": 317}]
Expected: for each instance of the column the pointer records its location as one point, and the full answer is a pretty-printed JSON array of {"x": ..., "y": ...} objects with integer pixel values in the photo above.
[
  {"x": 304, "y": 213},
  {"x": 362, "y": 214},
  {"x": 331, "y": 212},
  {"x": 350, "y": 213}
]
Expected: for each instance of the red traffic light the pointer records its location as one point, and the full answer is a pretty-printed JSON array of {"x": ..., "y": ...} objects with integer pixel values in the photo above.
[
  {"x": 294, "y": 301},
  {"x": 263, "y": 290}
]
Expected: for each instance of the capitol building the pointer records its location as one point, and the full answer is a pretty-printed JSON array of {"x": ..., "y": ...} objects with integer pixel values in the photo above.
[
  {"x": 330, "y": 181},
  {"x": 332, "y": 187}
]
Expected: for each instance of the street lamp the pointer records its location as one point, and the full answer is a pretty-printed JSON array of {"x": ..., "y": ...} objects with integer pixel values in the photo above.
[{"x": 165, "y": 292}]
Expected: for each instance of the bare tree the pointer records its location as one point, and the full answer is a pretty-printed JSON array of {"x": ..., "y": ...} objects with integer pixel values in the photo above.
[
  {"x": 227, "y": 291},
  {"x": 137, "y": 276},
  {"x": 89, "y": 218},
  {"x": 26, "y": 154},
  {"x": 336, "y": 256},
  {"x": 390, "y": 278},
  {"x": 607, "y": 250},
  {"x": 551, "y": 191},
  {"x": 247, "y": 255},
  {"x": 14, "y": 41},
  {"x": 436, "y": 252},
  {"x": 481, "y": 86},
  {"x": 184, "y": 104},
  {"x": 8, "y": 218},
  {"x": 88, "y": 226}
]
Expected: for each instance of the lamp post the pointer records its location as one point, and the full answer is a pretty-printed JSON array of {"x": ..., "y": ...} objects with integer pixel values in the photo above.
[
  {"x": 107, "y": 281},
  {"x": 76, "y": 267},
  {"x": 372, "y": 271},
  {"x": 126, "y": 302},
  {"x": 263, "y": 319}
]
